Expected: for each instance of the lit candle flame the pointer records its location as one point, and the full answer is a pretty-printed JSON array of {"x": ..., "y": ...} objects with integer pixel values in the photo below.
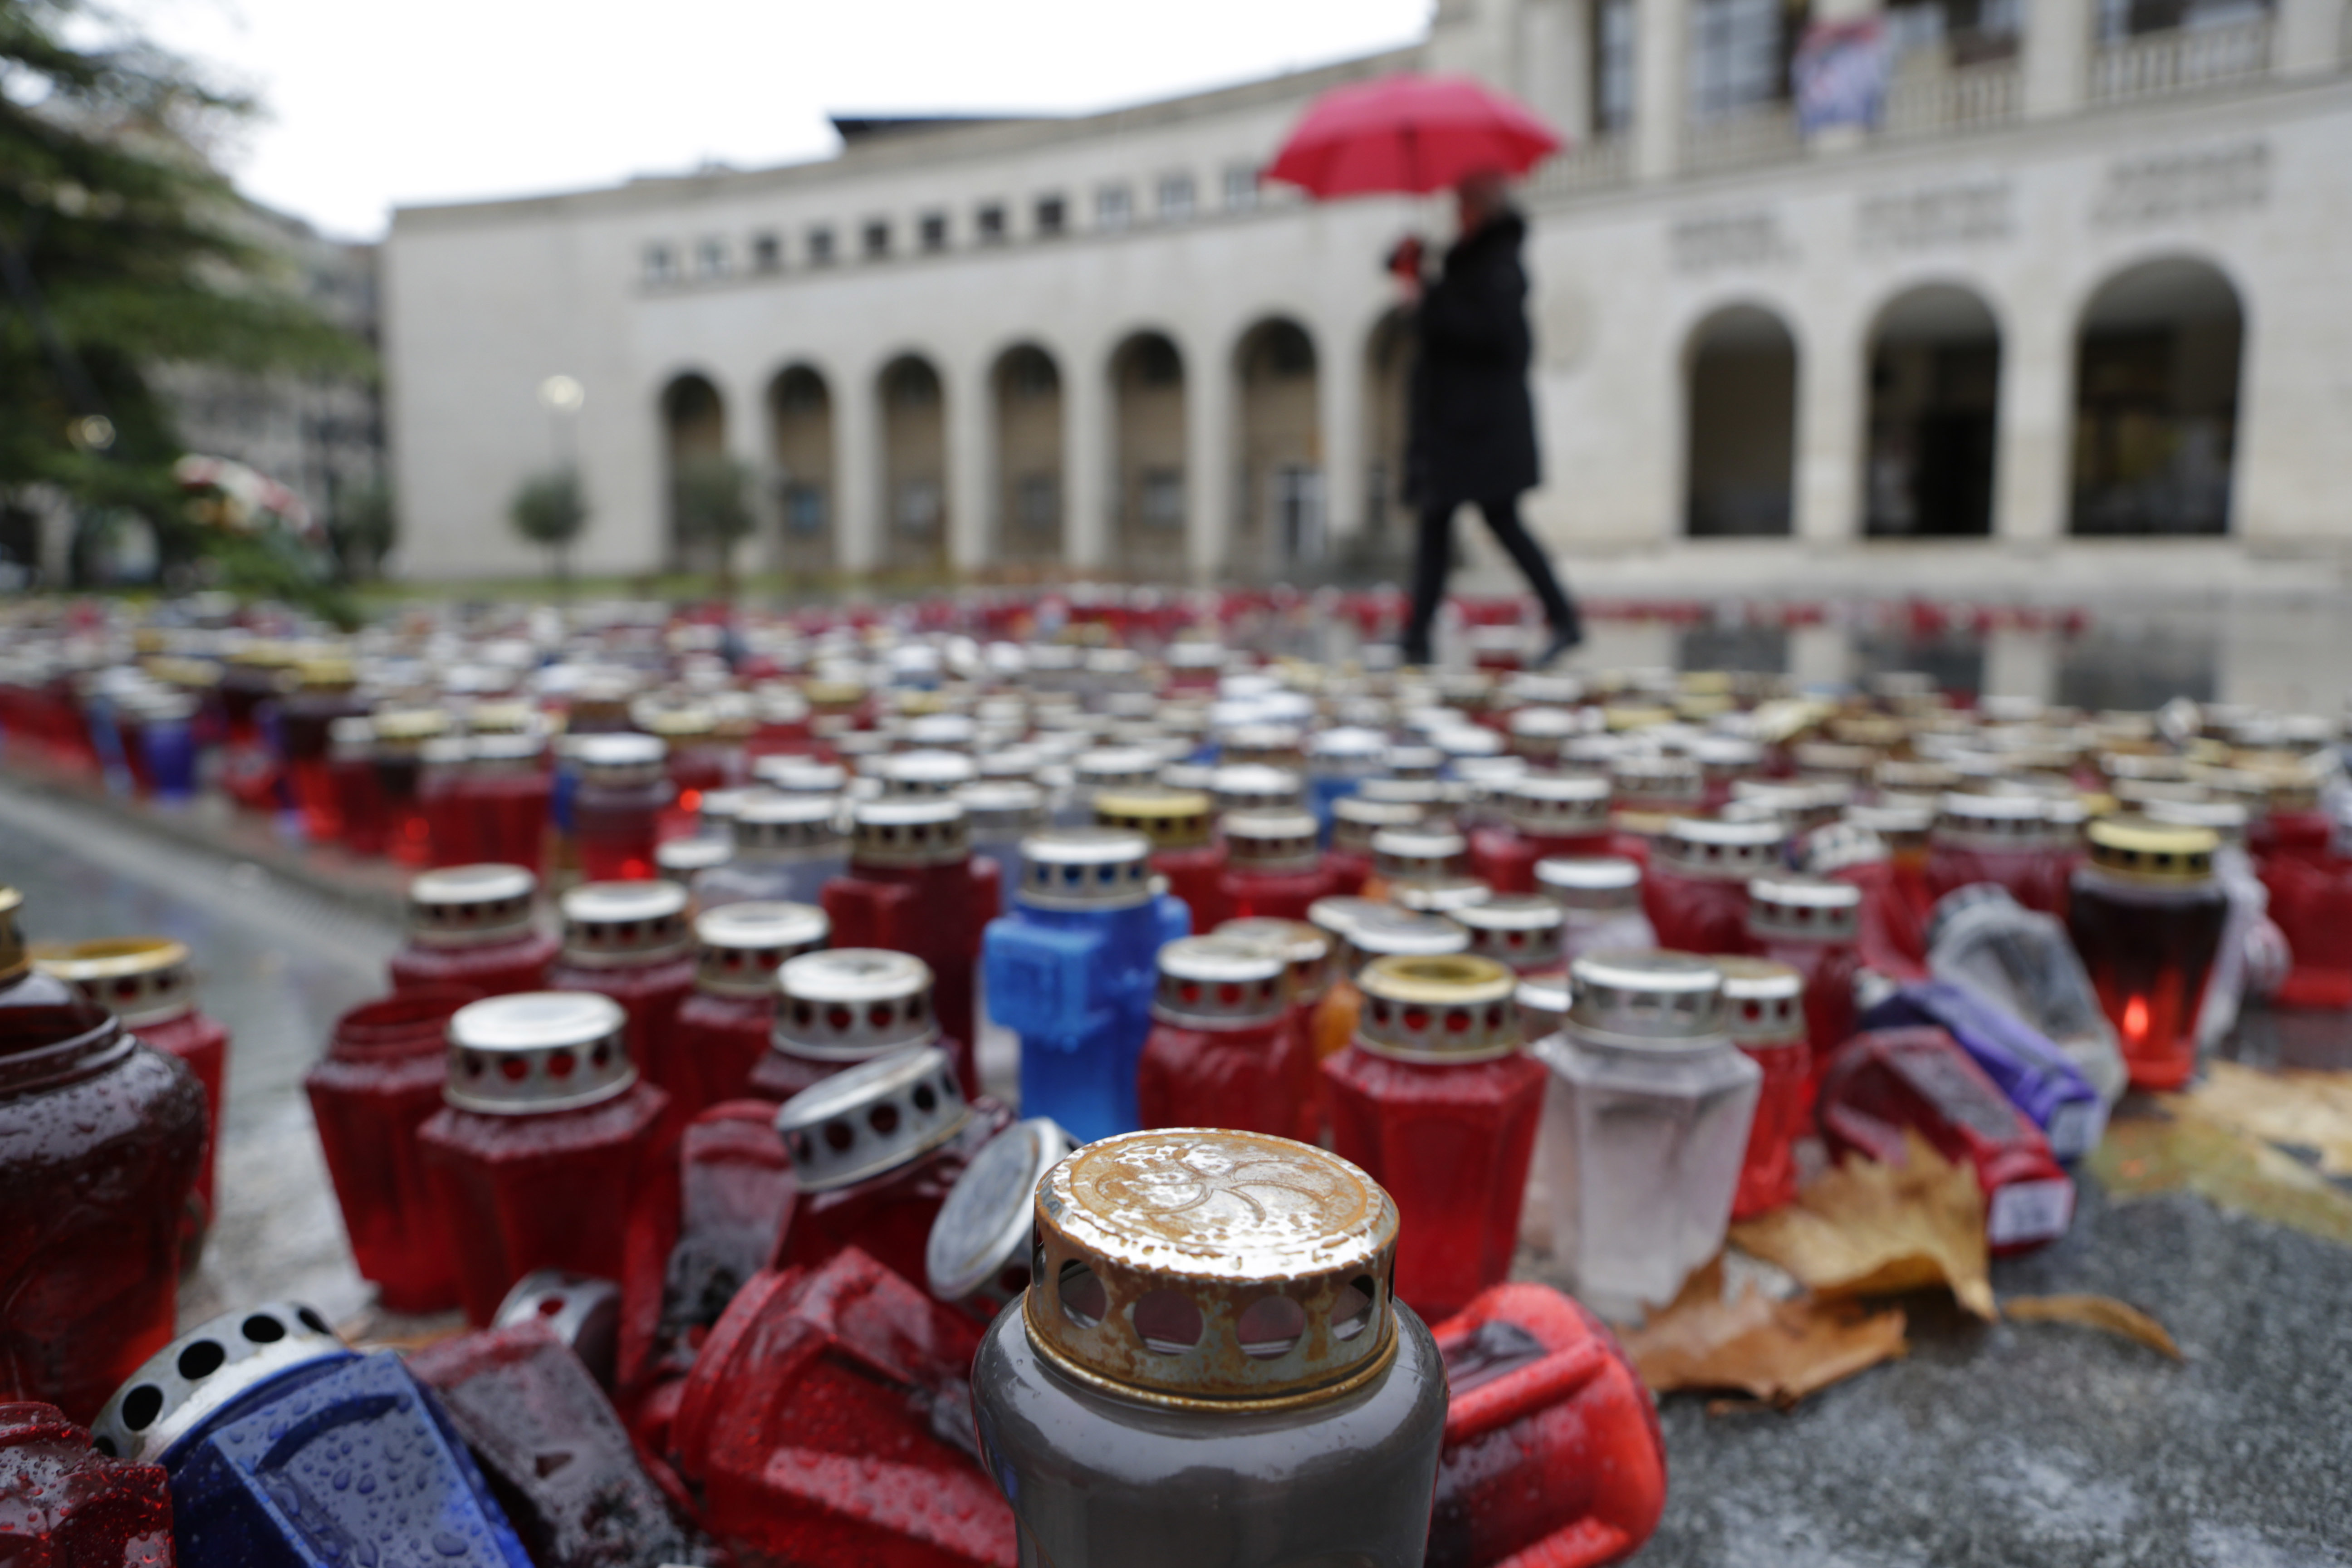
[{"x": 2136, "y": 1018}]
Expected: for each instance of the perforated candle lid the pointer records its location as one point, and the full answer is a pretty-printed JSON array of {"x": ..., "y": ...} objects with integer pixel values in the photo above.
[
  {"x": 1521, "y": 931},
  {"x": 871, "y": 1117},
  {"x": 1085, "y": 868},
  {"x": 853, "y": 1004},
  {"x": 1170, "y": 818},
  {"x": 141, "y": 980},
  {"x": 1803, "y": 909},
  {"x": 1220, "y": 983},
  {"x": 1195, "y": 1268},
  {"x": 615, "y": 761},
  {"x": 1590, "y": 882},
  {"x": 2147, "y": 850},
  {"x": 737, "y": 948},
  {"x": 909, "y": 832},
  {"x": 1115, "y": 767},
  {"x": 681, "y": 858},
  {"x": 1557, "y": 806},
  {"x": 999, "y": 809},
  {"x": 1456, "y": 1008},
  {"x": 1648, "y": 1000},
  {"x": 206, "y": 1370},
  {"x": 1356, "y": 817},
  {"x": 1763, "y": 1001},
  {"x": 1420, "y": 855},
  {"x": 1720, "y": 850},
  {"x": 927, "y": 773},
  {"x": 1271, "y": 840},
  {"x": 979, "y": 1245},
  {"x": 581, "y": 1309},
  {"x": 1256, "y": 786},
  {"x": 534, "y": 1052},
  {"x": 621, "y": 924},
  {"x": 1305, "y": 947},
  {"x": 788, "y": 826}
]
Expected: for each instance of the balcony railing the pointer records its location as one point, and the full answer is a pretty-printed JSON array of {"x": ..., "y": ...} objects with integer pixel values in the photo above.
[
  {"x": 2181, "y": 61},
  {"x": 1766, "y": 133},
  {"x": 1959, "y": 100},
  {"x": 1606, "y": 159}
]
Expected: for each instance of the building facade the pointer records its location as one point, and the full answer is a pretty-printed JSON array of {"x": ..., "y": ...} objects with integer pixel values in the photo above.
[{"x": 2066, "y": 313}]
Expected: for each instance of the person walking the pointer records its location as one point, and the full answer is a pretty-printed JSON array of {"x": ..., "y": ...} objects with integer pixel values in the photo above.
[{"x": 1473, "y": 428}]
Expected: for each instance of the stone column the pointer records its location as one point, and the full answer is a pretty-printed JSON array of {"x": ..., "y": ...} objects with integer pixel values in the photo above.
[
  {"x": 858, "y": 526},
  {"x": 2309, "y": 39},
  {"x": 1556, "y": 41},
  {"x": 1661, "y": 86},
  {"x": 2034, "y": 439},
  {"x": 2020, "y": 663},
  {"x": 969, "y": 422},
  {"x": 1211, "y": 456},
  {"x": 2057, "y": 57},
  {"x": 1833, "y": 391},
  {"x": 1340, "y": 413},
  {"x": 1088, "y": 457}
]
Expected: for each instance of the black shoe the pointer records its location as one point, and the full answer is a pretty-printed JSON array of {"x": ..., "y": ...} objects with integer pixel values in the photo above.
[{"x": 1563, "y": 641}]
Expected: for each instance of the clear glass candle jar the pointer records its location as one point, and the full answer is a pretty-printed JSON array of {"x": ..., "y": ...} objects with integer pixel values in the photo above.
[
  {"x": 1274, "y": 866},
  {"x": 631, "y": 941},
  {"x": 615, "y": 810},
  {"x": 254, "y": 1413},
  {"x": 786, "y": 848},
  {"x": 1764, "y": 1007},
  {"x": 472, "y": 926},
  {"x": 1209, "y": 1369},
  {"x": 1984, "y": 941},
  {"x": 1812, "y": 924},
  {"x": 1223, "y": 1050},
  {"x": 1184, "y": 849},
  {"x": 723, "y": 1028},
  {"x": 101, "y": 1138},
  {"x": 542, "y": 1138},
  {"x": 2146, "y": 916},
  {"x": 1354, "y": 820},
  {"x": 1543, "y": 815},
  {"x": 876, "y": 1149},
  {"x": 913, "y": 886},
  {"x": 379, "y": 1081},
  {"x": 1600, "y": 899},
  {"x": 149, "y": 987},
  {"x": 1435, "y": 1100},
  {"x": 1695, "y": 892},
  {"x": 1646, "y": 1119},
  {"x": 70, "y": 1504},
  {"x": 977, "y": 1255}
]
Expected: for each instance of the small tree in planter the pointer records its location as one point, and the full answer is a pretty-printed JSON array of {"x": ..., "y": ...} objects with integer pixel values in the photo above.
[
  {"x": 713, "y": 507},
  {"x": 551, "y": 511}
]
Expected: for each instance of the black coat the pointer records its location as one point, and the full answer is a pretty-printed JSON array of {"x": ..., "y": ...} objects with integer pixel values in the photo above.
[{"x": 1474, "y": 427}]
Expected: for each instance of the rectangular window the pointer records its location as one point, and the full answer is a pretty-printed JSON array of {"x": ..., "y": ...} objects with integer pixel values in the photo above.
[
  {"x": 935, "y": 231},
  {"x": 1053, "y": 216},
  {"x": 877, "y": 239},
  {"x": 710, "y": 258},
  {"x": 1114, "y": 207},
  {"x": 661, "y": 264},
  {"x": 1241, "y": 187},
  {"x": 919, "y": 509},
  {"x": 1161, "y": 498},
  {"x": 804, "y": 508},
  {"x": 820, "y": 247},
  {"x": 1736, "y": 60},
  {"x": 1612, "y": 65},
  {"x": 991, "y": 223},
  {"x": 1038, "y": 503},
  {"x": 767, "y": 253},
  {"x": 1175, "y": 198}
]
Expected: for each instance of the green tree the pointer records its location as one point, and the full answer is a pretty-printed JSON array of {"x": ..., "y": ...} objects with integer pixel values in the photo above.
[
  {"x": 713, "y": 507},
  {"x": 551, "y": 510},
  {"x": 120, "y": 249},
  {"x": 362, "y": 528}
]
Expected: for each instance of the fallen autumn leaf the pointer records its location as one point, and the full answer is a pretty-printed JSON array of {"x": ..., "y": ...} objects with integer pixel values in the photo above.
[
  {"x": 2103, "y": 1312},
  {"x": 1776, "y": 1350},
  {"x": 1868, "y": 1229}
]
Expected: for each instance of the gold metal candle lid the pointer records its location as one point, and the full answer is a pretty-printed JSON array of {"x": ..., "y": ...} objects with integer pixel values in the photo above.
[
  {"x": 1456, "y": 1008},
  {"x": 139, "y": 979},
  {"x": 1200, "y": 1268},
  {"x": 1170, "y": 818},
  {"x": 2151, "y": 851}
]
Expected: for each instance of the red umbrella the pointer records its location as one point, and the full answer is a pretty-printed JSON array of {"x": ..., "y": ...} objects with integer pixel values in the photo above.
[{"x": 1412, "y": 134}]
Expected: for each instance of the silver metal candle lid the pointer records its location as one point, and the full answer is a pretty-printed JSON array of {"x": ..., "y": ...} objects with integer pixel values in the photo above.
[
  {"x": 909, "y": 832},
  {"x": 1420, "y": 855},
  {"x": 1647, "y": 1001},
  {"x": 737, "y": 948},
  {"x": 619, "y": 761},
  {"x": 1355, "y": 819},
  {"x": 1521, "y": 931},
  {"x": 200, "y": 1373},
  {"x": 1271, "y": 840},
  {"x": 1992, "y": 821},
  {"x": 921, "y": 774},
  {"x": 999, "y": 809},
  {"x": 853, "y": 1004},
  {"x": 1557, "y": 806},
  {"x": 581, "y": 1309},
  {"x": 1803, "y": 909},
  {"x": 1591, "y": 883},
  {"x": 1256, "y": 786},
  {"x": 534, "y": 1052},
  {"x": 1115, "y": 767},
  {"x": 872, "y": 1118},
  {"x": 681, "y": 858},
  {"x": 468, "y": 906},
  {"x": 1220, "y": 983},
  {"x": 616, "y": 925},
  {"x": 1763, "y": 1001},
  {"x": 978, "y": 1247},
  {"x": 1085, "y": 869},
  {"x": 1306, "y": 948},
  {"x": 787, "y": 827},
  {"x": 1366, "y": 930},
  {"x": 1719, "y": 850}
]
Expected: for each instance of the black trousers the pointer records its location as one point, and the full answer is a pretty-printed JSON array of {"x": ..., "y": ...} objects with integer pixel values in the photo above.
[{"x": 1433, "y": 558}]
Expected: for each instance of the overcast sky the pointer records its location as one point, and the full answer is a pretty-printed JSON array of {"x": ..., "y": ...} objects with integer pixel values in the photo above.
[{"x": 372, "y": 105}]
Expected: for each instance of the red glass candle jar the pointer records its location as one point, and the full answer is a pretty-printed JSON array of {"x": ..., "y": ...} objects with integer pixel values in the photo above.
[
  {"x": 148, "y": 983},
  {"x": 471, "y": 926},
  {"x": 1695, "y": 892},
  {"x": 1883, "y": 851},
  {"x": 913, "y": 886},
  {"x": 1552, "y": 1450},
  {"x": 2008, "y": 839},
  {"x": 305, "y": 718},
  {"x": 1885, "y": 1082},
  {"x": 820, "y": 1425},
  {"x": 1361, "y": 930},
  {"x": 400, "y": 739},
  {"x": 837, "y": 1008},
  {"x": 379, "y": 1082},
  {"x": 1355, "y": 819},
  {"x": 1222, "y": 1051},
  {"x": 1274, "y": 866},
  {"x": 543, "y": 1139},
  {"x": 724, "y": 1028},
  {"x": 451, "y": 828},
  {"x": 359, "y": 817},
  {"x": 617, "y": 809},
  {"x": 1812, "y": 925},
  {"x": 101, "y": 1138},
  {"x": 2292, "y": 823},
  {"x": 630, "y": 942},
  {"x": 1543, "y": 815},
  {"x": 1521, "y": 931},
  {"x": 1309, "y": 951},
  {"x": 2312, "y": 903},
  {"x": 700, "y": 758},
  {"x": 505, "y": 789},
  {"x": 874, "y": 1150},
  {"x": 1434, "y": 1099},
  {"x": 64, "y": 1504},
  {"x": 1764, "y": 1003},
  {"x": 2146, "y": 916},
  {"x": 1177, "y": 821}
]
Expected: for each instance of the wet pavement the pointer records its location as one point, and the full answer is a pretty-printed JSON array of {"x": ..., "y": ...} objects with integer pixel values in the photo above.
[{"x": 2019, "y": 1444}]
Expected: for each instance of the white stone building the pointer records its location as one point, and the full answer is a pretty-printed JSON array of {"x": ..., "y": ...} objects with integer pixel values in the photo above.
[{"x": 2083, "y": 284}]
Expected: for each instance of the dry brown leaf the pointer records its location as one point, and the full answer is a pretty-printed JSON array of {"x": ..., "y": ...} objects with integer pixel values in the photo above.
[
  {"x": 1776, "y": 1350},
  {"x": 2102, "y": 1312},
  {"x": 2306, "y": 1110},
  {"x": 1867, "y": 1229}
]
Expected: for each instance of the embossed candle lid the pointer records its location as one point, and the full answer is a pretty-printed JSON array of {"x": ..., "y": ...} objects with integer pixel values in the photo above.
[
  {"x": 1197, "y": 1269},
  {"x": 1170, "y": 818},
  {"x": 1271, "y": 840},
  {"x": 1220, "y": 983},
  {"x": 909, "y": 832},
  {"x": 619, "y": 924},
  {"x": 1763, "y": 1001},
  {"x": 1085, "y": 868},
  {"x": 1305, "y": 947},
  {"x": 853, "y": 1004},
  {"x": 1806, "y": 909},
  {"x": 206, "y": 1370},
  {"x": 1650, "y": 1000},
  {"x": 871, "y": 1117},
  {"x": 737, "y": 948},
  {"x": 1456, "y": 1008},
  {"x": 979, "y": 1246},
  {"x": 532, "y": 1052},
  {"x": 1518, "y": 930},
  {"x": 1590, "y": 882},
  {"x": 141, "y": 980}
]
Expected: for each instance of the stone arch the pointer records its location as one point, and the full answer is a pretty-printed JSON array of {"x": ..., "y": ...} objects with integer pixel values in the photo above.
[
  {"x": 915, "y": 525},
  {"x": 2159, "y": 350},
  {"x": 694, "y": 429},
  {"x": 1280, "y": 512},
  {"x": 1148, "y": 421},
  {"x": 1739, "y": 458},
  {"x": 800, "y": 445},
  {"x": 1389, "y": 350},
  {"x": 1930, "y": 441},
  {"x": 1030, "y": 505}
]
